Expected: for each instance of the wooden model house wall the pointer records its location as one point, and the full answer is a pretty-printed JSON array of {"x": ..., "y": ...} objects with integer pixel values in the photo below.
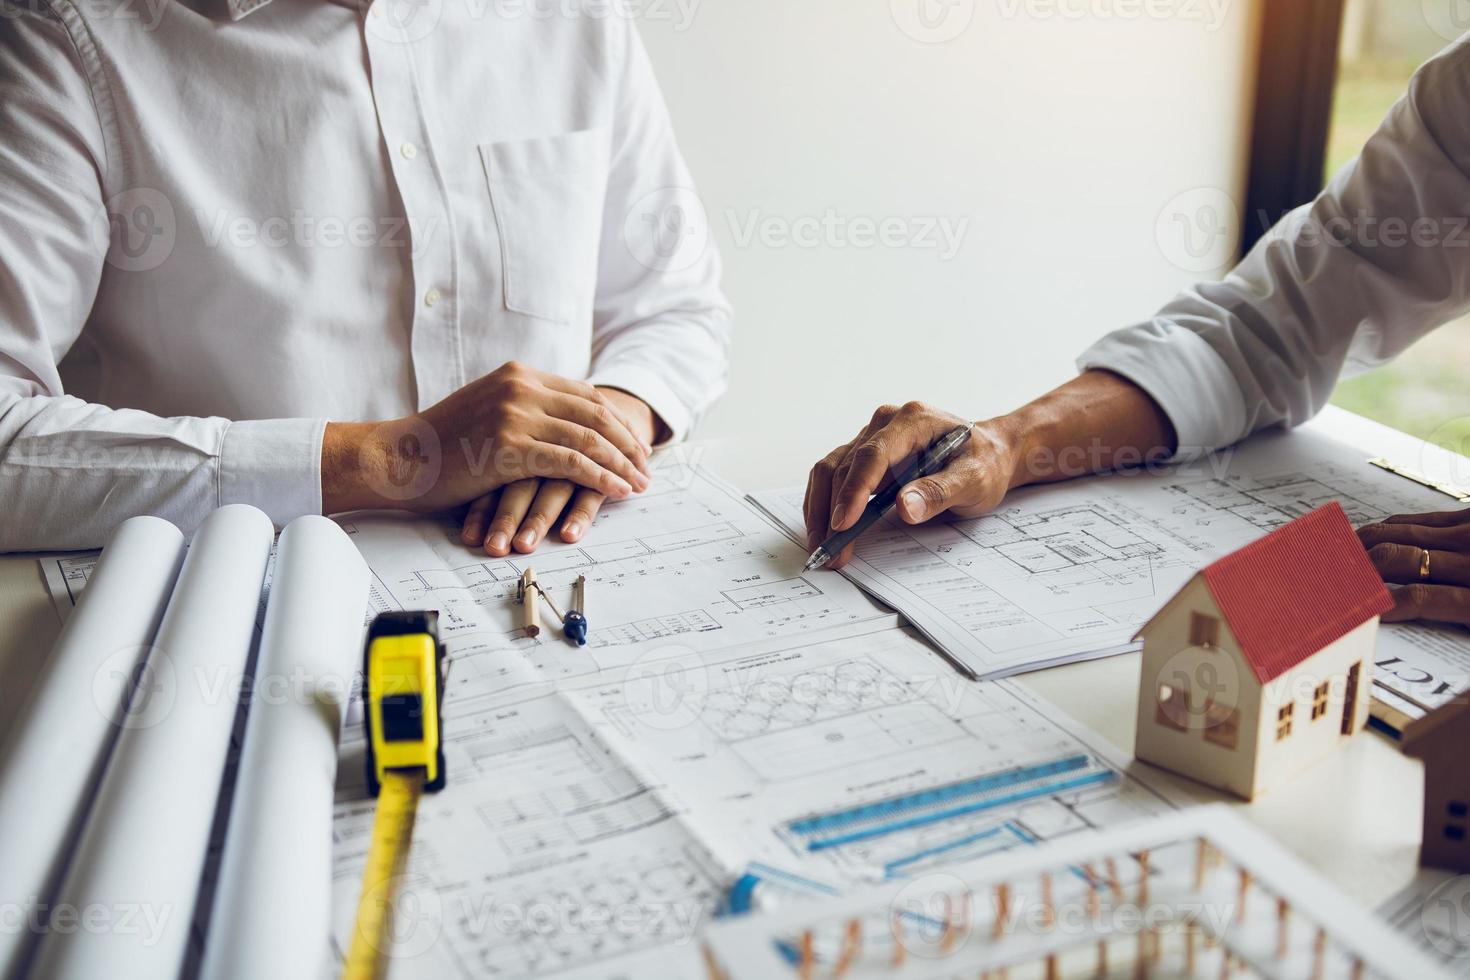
[
  {"x": 1441, "y": 739},
  {"x": 1262, "y": 663}
]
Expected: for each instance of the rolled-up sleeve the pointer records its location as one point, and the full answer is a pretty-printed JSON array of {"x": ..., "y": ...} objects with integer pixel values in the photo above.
[
  {"x": 661, "y": 327},
  {"x": 70, "y": 470},
  {"x": 1340, "y": 285}
]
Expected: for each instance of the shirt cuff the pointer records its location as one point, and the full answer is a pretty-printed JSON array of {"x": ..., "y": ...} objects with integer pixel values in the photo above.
[
  {"x": 273, "y": 464},
  {"x": 654, "y": 391},
  {"x": 1182, "y": 373}
]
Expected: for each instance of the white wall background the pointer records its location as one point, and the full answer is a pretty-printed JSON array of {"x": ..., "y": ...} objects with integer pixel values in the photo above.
[{"x": 1062, "y": 131}]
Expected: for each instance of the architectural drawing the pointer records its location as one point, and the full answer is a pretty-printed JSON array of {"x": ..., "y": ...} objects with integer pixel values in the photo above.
[
  {"x": 685, "y": 564},
  {"x": 544, "y": 855},
  {"x": 1070, "y": 571},
  {"x": 863, "y": 757}
]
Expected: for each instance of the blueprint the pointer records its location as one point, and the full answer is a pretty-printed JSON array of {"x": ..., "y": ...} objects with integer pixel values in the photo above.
[
  {"x": 1072, "y": 570},
  {"x": 544, "y": 854},
  {"x": 1430, "y": 912},
  {"x": 863, "y": 759},
  {"x": 590, "y": 831},
  {"x": 687, "y": 565}
]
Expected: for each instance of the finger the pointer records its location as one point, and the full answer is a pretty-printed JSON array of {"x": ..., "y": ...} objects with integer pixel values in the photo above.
[
  {"x": 565, "y": 463},
  {"x": 1441, "y": 603},
  {"x": 588, "y": 392},
  {"x": 865, "y": 469},
  {"x": 1447, "y": 538},
  {"x": 605, "y": 422},
  {"x": 591, "y": 444},
  {"x": 1444, "y": 518},
  {"x": 476, "y": 519},
  {"x": 961, "y": 484},
  {"x": 583, "y": 511},
  {"x": 817, "y": 506},
  {"x": 1401, "y": 563},
  {"x": 551, "y": 498},
  {"x": 515, "y": 500}
]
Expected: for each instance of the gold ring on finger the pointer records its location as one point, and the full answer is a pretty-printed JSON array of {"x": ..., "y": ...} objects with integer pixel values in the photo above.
[{"x": 1424, "y": 565}]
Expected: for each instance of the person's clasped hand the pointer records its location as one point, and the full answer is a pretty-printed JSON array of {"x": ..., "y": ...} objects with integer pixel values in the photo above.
[{"x": 1425, "y": 558}]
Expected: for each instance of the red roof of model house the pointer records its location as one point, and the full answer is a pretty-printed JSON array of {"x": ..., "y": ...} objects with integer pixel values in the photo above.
[{"x": 1296, "y": 590}]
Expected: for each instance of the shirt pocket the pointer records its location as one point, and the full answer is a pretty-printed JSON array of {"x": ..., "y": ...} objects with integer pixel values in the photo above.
[{"x": 547, "y": 195}]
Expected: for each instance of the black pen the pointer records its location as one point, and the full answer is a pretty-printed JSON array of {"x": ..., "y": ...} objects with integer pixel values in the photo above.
[{"x": 929, "y": 461}]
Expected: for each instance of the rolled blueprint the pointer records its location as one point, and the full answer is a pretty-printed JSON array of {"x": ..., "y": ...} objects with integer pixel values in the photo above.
[
  {"x": 126, "y": 901},
  {"x": 272, "y": 912},
  {"x": 63, "y": 733}
]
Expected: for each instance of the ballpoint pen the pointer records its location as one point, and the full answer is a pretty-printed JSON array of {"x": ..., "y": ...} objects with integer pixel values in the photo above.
[{"x": 929, "y": 461}]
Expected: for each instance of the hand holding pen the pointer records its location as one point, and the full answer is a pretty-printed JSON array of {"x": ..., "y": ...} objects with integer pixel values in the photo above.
[{"x": 966, "y": 481}]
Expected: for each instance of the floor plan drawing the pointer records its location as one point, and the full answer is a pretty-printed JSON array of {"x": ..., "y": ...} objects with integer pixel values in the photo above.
[
  {"x": 1071, "y": 570},
  {"x": 686, "y": 563},
  {"x": 544, "y": 855},
  {"x": 864, "y": 758},
  {"x": 1270, "y": 501}
]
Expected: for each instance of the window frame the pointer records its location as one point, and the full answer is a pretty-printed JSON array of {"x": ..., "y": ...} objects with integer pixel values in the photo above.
[
  {"x": 1179, "y": 694},
  {"x": 1222, "y": 724},
  {"x": 1296, "y": 78},
  {"x": 1321, "y": 695},
  {"x": 1285, "y": 715},
  {"x": 1204, "y": 625}
]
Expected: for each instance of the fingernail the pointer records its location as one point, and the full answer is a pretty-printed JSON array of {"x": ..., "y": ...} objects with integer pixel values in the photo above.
[
  {"x": 527, "y": 540},
  {"x": 837, "y": 515},
  {"x": 499, "y": 541},
  {"x": 573, "y": 530},
  {"x": 913, "y": 502}
]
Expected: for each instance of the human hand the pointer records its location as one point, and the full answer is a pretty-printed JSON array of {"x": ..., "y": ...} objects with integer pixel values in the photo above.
[
  {"x": 521, "y": 514},
  {"x": 512, "y": 424},
  {"x": 973, "y": 482},
  {"x": 1398, "y": 546}
]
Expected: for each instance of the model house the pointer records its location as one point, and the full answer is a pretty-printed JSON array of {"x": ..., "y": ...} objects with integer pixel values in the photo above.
[
  {"x": 1439, "y": 739},
  {"x": 1261, "y": 664}
]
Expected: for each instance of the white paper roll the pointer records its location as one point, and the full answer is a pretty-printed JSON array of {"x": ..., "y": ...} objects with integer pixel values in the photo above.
[
  {"x": 62, "y": 736},
  {"x": 272, "y": 912},
  {"x": 129, "y": 893}
]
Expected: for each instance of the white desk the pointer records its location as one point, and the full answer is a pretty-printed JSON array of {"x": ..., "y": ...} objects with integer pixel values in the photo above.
[{"x": 1355, "y": 816}]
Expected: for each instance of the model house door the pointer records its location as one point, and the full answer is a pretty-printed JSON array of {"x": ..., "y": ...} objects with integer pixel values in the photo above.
[{"x": 1350, "y": 699}]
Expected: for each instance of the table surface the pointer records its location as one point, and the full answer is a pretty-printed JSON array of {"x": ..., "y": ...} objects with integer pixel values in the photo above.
[{"x": 1355, "y": 816}]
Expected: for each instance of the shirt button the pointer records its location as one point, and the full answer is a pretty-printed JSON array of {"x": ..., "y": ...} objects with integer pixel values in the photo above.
[
  {"x": 409, "y": 150},
  {"x": 431, "y": 297}
]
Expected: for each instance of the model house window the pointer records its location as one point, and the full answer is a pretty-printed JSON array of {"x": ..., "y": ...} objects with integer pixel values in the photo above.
[
  {"x": 1319, "y": 701},
  {"x": 1455, "y": 830},
  {"x": 1172, "y": 707},
  {"x": 1457, "y": 809},
  {"x": 1204, "y": 631},
  {"x": 1222, "y": 724},
  {"x": 1283, "y": 721}
]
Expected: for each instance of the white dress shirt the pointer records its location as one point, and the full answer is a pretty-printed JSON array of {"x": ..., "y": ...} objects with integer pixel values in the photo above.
[
  {"x": 225, "y": 222},
  {"x": 1340, "y": 285}
]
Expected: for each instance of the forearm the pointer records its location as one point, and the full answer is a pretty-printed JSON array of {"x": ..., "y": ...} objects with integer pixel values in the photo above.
[
  {"x": 356, "y": 458},
  {"x": 1098, "y": 421}
]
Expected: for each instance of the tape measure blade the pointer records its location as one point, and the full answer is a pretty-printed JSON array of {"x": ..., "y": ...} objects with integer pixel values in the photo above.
[{"x": 398, "y": 802}]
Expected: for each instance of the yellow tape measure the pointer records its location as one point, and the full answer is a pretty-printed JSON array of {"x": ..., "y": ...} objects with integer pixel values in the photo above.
[
  {"x": 402, "y": 696},
  {"x": 398, "y": 803}
]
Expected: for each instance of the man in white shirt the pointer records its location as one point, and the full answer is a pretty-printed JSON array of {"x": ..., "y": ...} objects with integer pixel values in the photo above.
[
  {"x": 1380, "y": 258},
  {"x": 316, "y": 255}
]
